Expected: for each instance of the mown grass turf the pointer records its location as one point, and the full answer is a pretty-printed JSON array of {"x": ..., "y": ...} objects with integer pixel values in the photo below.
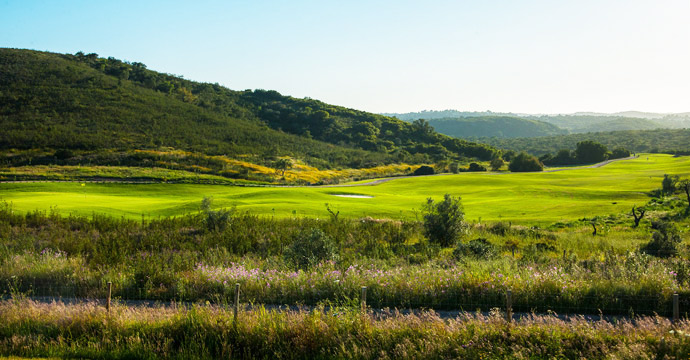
[{"x": 529, "y": 198}]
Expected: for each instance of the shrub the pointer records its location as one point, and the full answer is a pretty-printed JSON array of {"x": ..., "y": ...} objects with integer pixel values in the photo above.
[
  {"x": 477, "y": 248},
  {"x": 499, "y": 228},
  {"x": 310, "y": 248},
  {"x": 454, "y": 167},
  {"x": 215, "y": 220},
  {"x": 497, "y": 164},
  {"x": 664, "y": 241},
  {"x": 443, "y": 221},
  {"x": 524, "y": 162},
  {"x": 476, "y": 167},
  {"x": 424, "y": 170},
  {"x": 589, "y": 151},
  {"x": 619, "y": 153},
  {"x": 668, "y": 184}
]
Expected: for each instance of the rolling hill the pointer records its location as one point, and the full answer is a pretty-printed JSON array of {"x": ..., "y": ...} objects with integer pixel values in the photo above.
[
  {"x": 74, "y": 109},
  {"x": 672, "y": 141},
  {"x": 469, "y": 124},
  {"x": 494, "y": 126}
]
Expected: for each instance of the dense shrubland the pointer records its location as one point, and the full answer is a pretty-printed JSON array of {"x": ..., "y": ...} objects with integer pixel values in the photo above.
[
  {"x": 669, "y": 141},
  {"x": 79, "y": 105}
]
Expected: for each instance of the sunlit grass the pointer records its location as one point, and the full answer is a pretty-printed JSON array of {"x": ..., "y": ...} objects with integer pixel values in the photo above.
[
  {"x": 88, "y": 331},
  {"x": 527, "y": 198}
]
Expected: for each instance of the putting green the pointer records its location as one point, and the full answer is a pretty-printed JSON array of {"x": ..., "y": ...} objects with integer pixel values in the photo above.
[{"x": 528, "y": 198}]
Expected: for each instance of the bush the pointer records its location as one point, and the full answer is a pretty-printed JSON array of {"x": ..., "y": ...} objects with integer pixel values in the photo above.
[
  {"x": 476, "y": 167},
  {"x": 215, "y": 220},
  {"x": 310, "y": 248},
  {"x": 619, "y": 153},
  {"x": 499, "y": 228},
  {"x": 664, "y": 241},
  {"x": 524, "y": 162},
  {"x": 589, "y": 151},
  {"x": 454, "y": 167},
  {"x": 424, "y": 170},
  {"x": 668, "y": 184},
  {"x": 443, "y": 221},
  {"x": 477, "y": 248},
  {"x": 497, "y": 163}
]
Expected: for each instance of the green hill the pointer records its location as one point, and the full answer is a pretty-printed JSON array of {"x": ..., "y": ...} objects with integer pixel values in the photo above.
[
  {"x": 659, "y": 140},
  {"x": 594, "y": 123},
  {"x": 62, "y": 109},
  {"x": 494, "y": 126}
]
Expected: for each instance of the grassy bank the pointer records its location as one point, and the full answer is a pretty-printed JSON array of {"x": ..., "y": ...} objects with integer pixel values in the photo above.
[{"x": 88, "y": 331}]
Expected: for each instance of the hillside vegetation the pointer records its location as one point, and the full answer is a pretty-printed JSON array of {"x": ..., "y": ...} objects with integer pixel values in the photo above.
[
  {"x": 473, "y": 125},
  {"x": 79, "y": 109},
  {"x": 660, "y": 140},
  {"x": 494, "y": 126}
]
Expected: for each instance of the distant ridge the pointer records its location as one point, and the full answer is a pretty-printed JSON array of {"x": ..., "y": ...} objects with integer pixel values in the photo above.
[{"x": 581, "y": 122}]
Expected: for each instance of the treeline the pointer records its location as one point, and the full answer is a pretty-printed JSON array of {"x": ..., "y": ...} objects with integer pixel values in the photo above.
[
  {"x": 670, "y": 141},
  {"x": 83, "y": 102},
  {"x": 586, "y": 152}
]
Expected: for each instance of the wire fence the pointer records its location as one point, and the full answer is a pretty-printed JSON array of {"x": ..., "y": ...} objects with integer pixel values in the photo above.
[{"x": 664, "y": 303}]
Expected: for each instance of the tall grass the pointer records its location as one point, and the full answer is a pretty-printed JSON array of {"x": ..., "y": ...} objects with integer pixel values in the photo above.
[{"x": 87, "y": 330}]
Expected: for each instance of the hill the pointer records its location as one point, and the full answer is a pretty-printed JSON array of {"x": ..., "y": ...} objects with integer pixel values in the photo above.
[
  {"x": 660, "y": 140},
  {"x": 581, "y": 122},
  {"x": 599, "y": 123},
  {"x": 494, "y": 126},
  {"x": 73, "y": 109}
]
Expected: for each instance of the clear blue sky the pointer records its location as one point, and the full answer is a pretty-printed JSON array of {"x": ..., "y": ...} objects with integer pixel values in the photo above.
[{"x": 391, "y": 56}]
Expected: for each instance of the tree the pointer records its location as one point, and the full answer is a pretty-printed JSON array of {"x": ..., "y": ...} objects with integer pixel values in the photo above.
[
  {"x": 283, "y": 164},
  {"x": 636, "y": 216},
  {"x": 668, "y": 184},
  {"x": 619, "y": 153},
  {"x": 664, "y": 241},
  {"x": 424, "y": 170},
  {"x": 684, "y": 185},
  {"x": 589, "y": 151},
  {"x": 476, "y": 167},
  {"x": 444, "y": 221},
  {"x": 563, "y": 157},
  {"x": 496, "y": 164},
  {"x": 523, "y": 162}
]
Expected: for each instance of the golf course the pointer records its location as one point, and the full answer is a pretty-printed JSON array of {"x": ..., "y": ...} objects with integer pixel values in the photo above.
[{"x": 529, "y": 198}]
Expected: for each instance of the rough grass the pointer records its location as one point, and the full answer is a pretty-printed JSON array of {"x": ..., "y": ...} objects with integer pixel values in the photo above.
[
  {"x": 527, "y": 198},
  {"x": 87, "y": 331}
]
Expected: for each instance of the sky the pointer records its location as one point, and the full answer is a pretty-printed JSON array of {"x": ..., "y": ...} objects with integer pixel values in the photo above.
[{"x": 527, "y": 56}]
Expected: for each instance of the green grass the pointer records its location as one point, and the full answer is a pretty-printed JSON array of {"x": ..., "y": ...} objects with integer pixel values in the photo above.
[
  {"x": 528, "y": 198},
  {"x": 203, "y": 332}
]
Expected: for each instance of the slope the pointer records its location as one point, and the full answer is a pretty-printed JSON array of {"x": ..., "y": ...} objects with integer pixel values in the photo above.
[
  {"x": 86, "y": 104},
  {"x": 494, "y": 126}
]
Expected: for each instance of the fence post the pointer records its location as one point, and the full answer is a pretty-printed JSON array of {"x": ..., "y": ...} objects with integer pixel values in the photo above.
[
  {"x": 110, "y": 294},
  {"x": 237, "y": 301},
  {"x": 676, "y": 309},
  {"x": 509, "y": 305},
  {"x": 363, "y": 299}
]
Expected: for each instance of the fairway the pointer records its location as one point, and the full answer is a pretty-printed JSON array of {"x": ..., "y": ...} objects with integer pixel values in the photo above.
[{"x": 528, "y": 198}]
